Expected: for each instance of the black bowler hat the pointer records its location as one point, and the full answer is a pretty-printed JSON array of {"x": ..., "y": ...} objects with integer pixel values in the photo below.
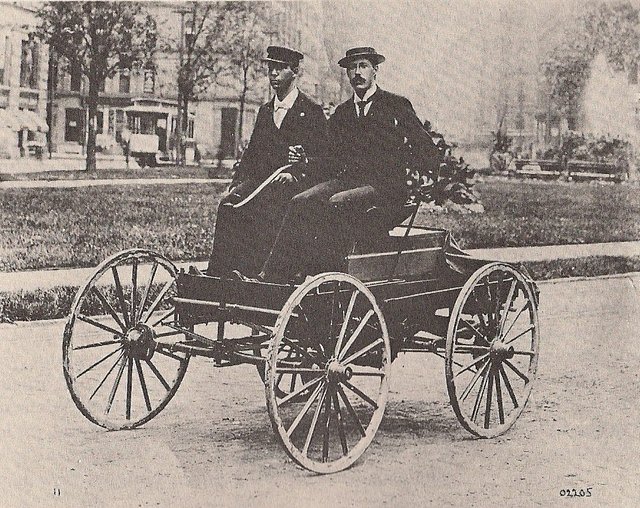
[
  {"x": 280, "y": 54},
  {"x": 354, "y": 53}
]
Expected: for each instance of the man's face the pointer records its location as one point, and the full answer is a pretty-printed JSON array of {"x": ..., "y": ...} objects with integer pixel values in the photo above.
[
  {"x": 281, "y": 75},
  {"x": 361, "y": 74}
]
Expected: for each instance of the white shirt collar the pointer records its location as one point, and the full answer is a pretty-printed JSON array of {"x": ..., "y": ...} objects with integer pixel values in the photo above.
[
  {"x": 288, "y": 101},
  {"x": 367, "y": 94}
]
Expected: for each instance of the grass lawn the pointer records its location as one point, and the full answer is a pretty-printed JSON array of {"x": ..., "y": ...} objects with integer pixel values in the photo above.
[{"x": 58, "y": 227}]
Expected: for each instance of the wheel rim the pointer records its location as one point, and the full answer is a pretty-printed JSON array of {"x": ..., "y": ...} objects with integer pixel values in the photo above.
[
  {"x": 326, "y": 372},
  {"x": 492, "y": 349},
  {"x": 117, "y": 356}
]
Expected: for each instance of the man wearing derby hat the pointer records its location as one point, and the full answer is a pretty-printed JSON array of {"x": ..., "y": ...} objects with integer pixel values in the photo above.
[
  {"x": 376, "y": 138},
  {"x": 290, "y": 130}
]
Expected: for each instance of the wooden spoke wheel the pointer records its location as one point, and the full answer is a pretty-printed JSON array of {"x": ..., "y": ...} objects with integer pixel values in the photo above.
[
  {"x": 326, "y": 372},
  {"x": 492, "y": 349},
  {"x": 118, "y": 362}
]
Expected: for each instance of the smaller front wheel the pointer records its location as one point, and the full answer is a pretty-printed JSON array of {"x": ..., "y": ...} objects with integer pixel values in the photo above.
[
  {"x": 118, "y": 361},
  {"x": 326, "y": 372},
  {"x": 492, "y": 349}
]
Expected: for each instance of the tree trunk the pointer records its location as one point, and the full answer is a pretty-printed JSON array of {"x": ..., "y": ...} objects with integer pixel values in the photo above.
[
  {"x": 243, "y": 99},
  {"x": 179, "y": 128},
  {"x": 92, "y": 104},
  {"x": 185, "y": 130}
]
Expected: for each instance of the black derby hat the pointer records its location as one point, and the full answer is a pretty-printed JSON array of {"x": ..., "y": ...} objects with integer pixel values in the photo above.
[
  {"x": 280, "y": 54},
  {"x": 366, "y": 52}
]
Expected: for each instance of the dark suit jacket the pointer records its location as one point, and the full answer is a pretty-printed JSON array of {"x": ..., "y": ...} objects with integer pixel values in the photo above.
[
  {"x": 377, "y": 149},
  {"x": 304, "y": 124}
]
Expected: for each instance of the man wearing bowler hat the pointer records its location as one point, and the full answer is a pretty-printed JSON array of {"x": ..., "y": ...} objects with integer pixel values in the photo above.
[
  {"x": 376, "y": 139},
  {"x": 291, "y": 131}
]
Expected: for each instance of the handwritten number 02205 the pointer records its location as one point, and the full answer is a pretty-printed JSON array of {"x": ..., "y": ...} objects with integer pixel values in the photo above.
[{"x": 575, "y": 492}]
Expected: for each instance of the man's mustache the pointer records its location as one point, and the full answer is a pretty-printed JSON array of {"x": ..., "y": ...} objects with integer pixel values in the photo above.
[{"x": 357, "y": 81}]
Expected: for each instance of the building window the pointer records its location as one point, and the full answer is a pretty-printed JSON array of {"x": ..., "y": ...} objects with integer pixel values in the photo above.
[
  {"x": 149, "y": 81},
  {"x": 76, "y": 80},
  {"x": 125, "y": 82},
  {"x": 29, "y": 65},
  {"x": 73, "y": 125},
  {"x": 100, "y": 122}
]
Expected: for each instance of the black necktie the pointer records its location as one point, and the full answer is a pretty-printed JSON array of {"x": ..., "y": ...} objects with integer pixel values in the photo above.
[{"x": 361, "y": 105}]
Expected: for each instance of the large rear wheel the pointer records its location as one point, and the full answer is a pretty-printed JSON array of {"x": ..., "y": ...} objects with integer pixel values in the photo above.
[{"x": 326, "y": 372}]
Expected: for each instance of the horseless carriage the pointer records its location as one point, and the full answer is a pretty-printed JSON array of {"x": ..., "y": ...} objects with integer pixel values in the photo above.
[{"x": 323, "y": 347}]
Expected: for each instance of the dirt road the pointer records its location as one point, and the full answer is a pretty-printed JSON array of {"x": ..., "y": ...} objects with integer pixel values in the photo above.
[{"x": 213, "y": 445}]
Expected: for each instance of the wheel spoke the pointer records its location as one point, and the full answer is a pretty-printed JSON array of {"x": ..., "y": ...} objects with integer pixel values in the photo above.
[
  {"x": 532, "y": 327},
  {"x": 487, "y": 409},
  {"x": 108, "y": 307},
  {"x": 147, "y": 290},
  {"x": 351, "y": 411},
  {"x": 164, "y": 316},
  {"x": 339, "y": 417},
  {"x": 134, "y": 289},
  {"x": 332, "y": 320},
  {"x": 319, "y": 389},
  {"x": 363, "y": 351},
  {"x": 120, "y": 295},
  {"x": 98, "y": 344},
  {"x": 471, "y": 365},
  {"x": 474, "y": 381},
  {"x": 97, "y": 324},
  {"x": 107, "y": 374},
  {"x": 143, "y": 385},
  {"x": 356, "y": 333},
  {"x": 345, "y": 323},
  {"x": 507, "y": 304},
  {"x": 485, "y": 325},
  {"x": 517, "y": 371},
  {"x": 116, "y": 384},
  {"x": 524, "y": 307},
  {"x": 361, "y": 394},
  {"x": 483, "y": 385},
  {"x": 327, "y": 423},
  {"x": 301, "y": 350},
  {"x": 157, "y": 301},
  {"x": 104, "y": 358},
  {"x": 508, "y": 386},
  {"x": 496, "y": 376},
  {"x": 314, "y": 421},
  {"x": 129, "y": 386},
  {"x": 304, "y": 387},
  {"x": 155, "y": 370},
  {"x": 525, "y": 353},
  {"x": 474, "y": 329}
]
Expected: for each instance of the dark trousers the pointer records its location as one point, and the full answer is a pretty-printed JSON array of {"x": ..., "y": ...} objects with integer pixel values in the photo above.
[
  {"x": 320, "y": 226},
  {"x": 243, "y": 236}
]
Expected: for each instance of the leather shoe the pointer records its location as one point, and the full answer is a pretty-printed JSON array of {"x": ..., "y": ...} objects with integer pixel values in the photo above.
[{"x": 238, "y": 275}]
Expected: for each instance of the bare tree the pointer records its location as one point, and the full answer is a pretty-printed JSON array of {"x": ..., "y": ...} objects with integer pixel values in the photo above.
[
  {"x": 246, "y": 29},
  {"x": 98, "y": 39},
  {"x": 200, "y": 61}
]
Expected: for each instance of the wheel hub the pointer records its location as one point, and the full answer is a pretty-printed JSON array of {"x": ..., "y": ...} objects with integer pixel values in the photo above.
[
  {"x": 140, "y": 342},
  {"x": 338, "y": 373},
  {"x": 500, "y": 351}
]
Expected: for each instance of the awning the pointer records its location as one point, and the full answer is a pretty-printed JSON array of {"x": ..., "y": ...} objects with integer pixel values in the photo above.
[{"x": 22, "y": 119}]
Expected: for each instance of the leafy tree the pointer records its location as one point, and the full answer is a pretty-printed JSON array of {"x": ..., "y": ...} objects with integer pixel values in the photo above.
[
  {"x": 612, "y": 29},
  {"x": 98, "y": 39}
]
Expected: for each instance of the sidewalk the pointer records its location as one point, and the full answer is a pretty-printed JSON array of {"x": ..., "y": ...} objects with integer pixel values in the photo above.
[
  {"x": 44, "y": 279},
  {"x": 32, "y": 184}
]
